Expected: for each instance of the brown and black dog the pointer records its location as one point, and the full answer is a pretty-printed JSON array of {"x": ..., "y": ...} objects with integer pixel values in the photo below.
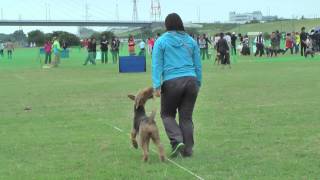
[{"x": 144, "y": 125}]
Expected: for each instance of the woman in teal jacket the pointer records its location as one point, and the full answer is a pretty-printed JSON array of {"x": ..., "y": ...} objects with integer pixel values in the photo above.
[{"x": 176, "y": 76}]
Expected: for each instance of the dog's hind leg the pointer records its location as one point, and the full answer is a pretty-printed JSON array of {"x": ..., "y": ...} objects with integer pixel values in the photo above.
[
  {"x": 133, "y": 138},
  {"x": 156, "y": 140},
  {"x": 144, "y": 145}
]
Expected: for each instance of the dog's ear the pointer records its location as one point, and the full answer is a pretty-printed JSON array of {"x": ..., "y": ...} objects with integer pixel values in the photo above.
[
  {"x": 137, "y": 101},
  {"x": 132, "y": 97}
]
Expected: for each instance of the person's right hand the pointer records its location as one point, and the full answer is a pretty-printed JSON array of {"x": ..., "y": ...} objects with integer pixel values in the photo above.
[{"x": 157, "y": 92}]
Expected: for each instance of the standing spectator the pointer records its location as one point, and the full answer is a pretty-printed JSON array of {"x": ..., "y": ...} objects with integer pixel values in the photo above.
[
  {"x": 104, "y": 49},
  {"x": 274, "y": 45},
  {"x": 223, "y": 50},
  {"x": 48, "y": 51},
  {"x": 289, "y": 43},
  {"x": 234, "y": 43},
  {"x": 240, "y": 37},
  {"x": 259, "y": 44},
  {"x": 150, "y": 45},
  {"x": 216, "y": 39},
  {"x": 267, "y": 45},
  {"x": 297, "y": 42},
  {"x": 131, "y": 46},
  {"x": 318, "y": 40},
  {"x": 303, "y": 39},
  {"x": 114, "y": 50},
  {"x": 278, "y": 40},
  {"x": 207, "y": 42},
  {"x": 245, "y": 46},
  {"x": 118, "y": 43},
  {"x": 142, "y": 46},
  {"x": 64, "y": 45},
  {"x": 1, "y": 49},
  {"x": 56, "y": 51},
  {"x": 227, "y": 37},
  {"x": 92, "y": 50},
  {"x": 202, "y": 46},
  {"x": 309, "y": 47},
  {"x": 10, "y": 49},
  {"x": 177, "y": 75},
  {"x": 157, "y": 37}
]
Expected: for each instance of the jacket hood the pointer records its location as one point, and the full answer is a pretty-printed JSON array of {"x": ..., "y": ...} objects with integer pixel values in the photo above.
[{"x": 177, "y": 39}]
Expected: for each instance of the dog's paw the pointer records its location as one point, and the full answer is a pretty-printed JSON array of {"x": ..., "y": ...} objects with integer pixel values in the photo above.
[
  {"x": 162, "y": 158},
  {"x": 135, "y": 144},
  {"x": 145, "y": 159}
]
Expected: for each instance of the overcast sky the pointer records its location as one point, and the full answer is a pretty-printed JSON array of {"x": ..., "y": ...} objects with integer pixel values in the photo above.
[{"x": 210, "y": 10}]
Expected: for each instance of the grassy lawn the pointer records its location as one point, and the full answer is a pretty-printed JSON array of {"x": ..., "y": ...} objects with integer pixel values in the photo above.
[{"x": 259, "y": 120}]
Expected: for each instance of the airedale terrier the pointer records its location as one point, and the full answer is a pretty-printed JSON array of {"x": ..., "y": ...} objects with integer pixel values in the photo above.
[{"x": 144, "y": 125}]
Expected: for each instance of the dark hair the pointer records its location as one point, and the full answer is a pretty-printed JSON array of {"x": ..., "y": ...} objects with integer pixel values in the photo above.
[
  {"x": 221, "y": 35},
  {"x": 303, "y": 28},
  {"x": 174, "y": 22}
]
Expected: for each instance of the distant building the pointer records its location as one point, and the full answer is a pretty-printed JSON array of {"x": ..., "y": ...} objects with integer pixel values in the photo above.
[
  {"x": 269, "y": 18},
  {"x": 247, "y": 17}
]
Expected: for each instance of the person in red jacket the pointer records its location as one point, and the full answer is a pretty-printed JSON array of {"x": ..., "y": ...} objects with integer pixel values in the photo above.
[
  {"x": 289, "y": 43},
  {"x": 131, "y": 46}
]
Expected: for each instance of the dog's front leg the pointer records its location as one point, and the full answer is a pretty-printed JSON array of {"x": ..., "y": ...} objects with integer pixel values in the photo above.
[{"x": 133, "y": 138}]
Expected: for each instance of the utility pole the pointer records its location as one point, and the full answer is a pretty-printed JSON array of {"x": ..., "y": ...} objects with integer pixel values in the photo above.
[
  {"x": 1, "y": 14},
  {"x": 155, "y": 10},
  {"x": 49, "y": 12},
  {"x": 135, "y": 11},
  {"x": 20, "y": 18},
  {"x": 46, "y": 5},
  {"x": 117, "y": 12},
  {"x": 86, "y": 11},
  {"x": 199, "y": 14}
]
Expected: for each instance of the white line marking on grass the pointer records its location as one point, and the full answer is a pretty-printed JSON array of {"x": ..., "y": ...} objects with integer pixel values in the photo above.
[
  {"x": 170, "y": 160},
  {"x": 118, "y": 129},
  {"x": 19, "y": 77}
]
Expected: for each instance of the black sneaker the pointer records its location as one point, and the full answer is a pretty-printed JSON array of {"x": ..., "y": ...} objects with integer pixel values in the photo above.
[
  {"x": 176, "y": 150},
  {"x": 185, "y": 154}
]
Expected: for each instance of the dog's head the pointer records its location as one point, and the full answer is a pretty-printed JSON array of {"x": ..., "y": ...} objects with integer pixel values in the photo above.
[{"x": 142, "y": 97}]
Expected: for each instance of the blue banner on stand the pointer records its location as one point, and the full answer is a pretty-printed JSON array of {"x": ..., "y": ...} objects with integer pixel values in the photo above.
[{"x": 130, "y": 64}]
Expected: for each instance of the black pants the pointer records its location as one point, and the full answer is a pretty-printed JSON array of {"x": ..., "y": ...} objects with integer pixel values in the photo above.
[
  {"x": 224, "y": 58},
  {"x": 9, "y": 54},
  {"x": 234, "y": 50},
  {"x": 303, "y": 49},
  {"x": 259, "y": 50},
  {"x": 274, "y": 51},
  {"x": 48, "y": 58},
  {"x": 179, "y": 94},
  {"x": 291, "y": 50}
]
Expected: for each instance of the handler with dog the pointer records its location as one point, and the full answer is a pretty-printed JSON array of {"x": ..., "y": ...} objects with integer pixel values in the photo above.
[{"x": 177, "y": 75}]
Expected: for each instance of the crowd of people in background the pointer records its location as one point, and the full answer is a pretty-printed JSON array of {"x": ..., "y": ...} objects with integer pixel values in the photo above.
[
  {"x": 91, "y": 46},
  {"x": 261, "y": 44},
  {"x": 225, "y": 46}
]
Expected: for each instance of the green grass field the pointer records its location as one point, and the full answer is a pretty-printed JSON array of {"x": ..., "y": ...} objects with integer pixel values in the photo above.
[{"x": 259, "y": 120}]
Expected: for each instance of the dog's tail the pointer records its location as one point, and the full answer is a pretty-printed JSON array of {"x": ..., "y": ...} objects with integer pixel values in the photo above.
[{"x": 152, "y": 116}]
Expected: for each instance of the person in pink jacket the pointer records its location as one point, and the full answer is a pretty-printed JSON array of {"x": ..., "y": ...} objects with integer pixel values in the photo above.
[{"x": 48, "y": 50}]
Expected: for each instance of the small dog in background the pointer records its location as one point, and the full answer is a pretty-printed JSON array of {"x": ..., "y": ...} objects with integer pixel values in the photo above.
[{"x": 145, "y": 126}]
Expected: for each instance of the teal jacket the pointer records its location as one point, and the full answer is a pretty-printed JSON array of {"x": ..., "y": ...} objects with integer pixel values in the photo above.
[{"x": 175, "y": 55}]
